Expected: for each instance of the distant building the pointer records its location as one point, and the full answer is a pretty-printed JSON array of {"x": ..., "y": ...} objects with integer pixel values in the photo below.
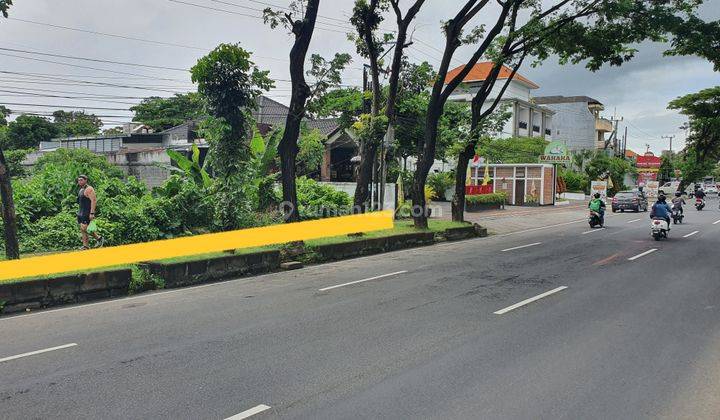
[
  {"x": 140, "y": 152},
  {"x": 529, "y": 119},
  {"x": 577, "y": 121}
]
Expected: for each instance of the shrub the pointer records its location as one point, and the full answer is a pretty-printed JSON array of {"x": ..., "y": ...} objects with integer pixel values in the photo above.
[
  {"x": 440, "y": 182},
  {"x": 575, "y": 181},
  {"x": 52, "y": 233},
  {"x": 142, "y": 280},
  {"x": 492, "y": 198},
  {"x": 318, "y": 200}
]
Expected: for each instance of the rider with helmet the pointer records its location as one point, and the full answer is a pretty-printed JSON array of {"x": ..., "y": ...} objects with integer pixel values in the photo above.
[
  {"x": 678, "y": 201},
  {"x": 661, "y": 210}
]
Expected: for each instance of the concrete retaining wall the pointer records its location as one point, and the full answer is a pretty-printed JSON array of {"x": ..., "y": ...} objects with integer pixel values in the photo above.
[
  {"x": 35, "y": 294},
  {"x": 372, "y": 246},
  {"x": 194, "y": 272}
]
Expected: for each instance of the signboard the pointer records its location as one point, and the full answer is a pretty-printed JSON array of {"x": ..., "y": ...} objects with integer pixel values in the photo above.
[
  {"x": 555, "y": 152},
  {"x": 645, "y": 177},
  {"x": 599, "y": 187},
  {"x": 478, "y": 189},
  {"x": 648, "y": 161},
  {"x": 651, "y": 189}
]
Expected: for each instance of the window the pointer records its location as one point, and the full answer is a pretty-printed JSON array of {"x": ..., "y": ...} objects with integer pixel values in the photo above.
[
  {"x": 536, "y": 128},
  {"x": 523, "y": 125},
  {"x": 548, "y": 132}
]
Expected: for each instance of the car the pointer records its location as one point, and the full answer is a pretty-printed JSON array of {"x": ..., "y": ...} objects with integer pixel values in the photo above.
[
  {"x": 669, "y": 188},
  {"x": 710, "y": 189},
  {"x": 629, "y": 200}
]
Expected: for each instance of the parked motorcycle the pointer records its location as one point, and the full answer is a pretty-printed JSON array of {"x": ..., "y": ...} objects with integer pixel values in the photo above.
[
  {"x": 659, "y": 228},
  {"x": 677, "y": 217},
  {"x": 594, "y": 219},
  {"x": 699, "y": 204}
]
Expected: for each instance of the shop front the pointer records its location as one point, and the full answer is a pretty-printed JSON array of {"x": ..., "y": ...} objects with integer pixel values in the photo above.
[{"x": 525, "y": 184}]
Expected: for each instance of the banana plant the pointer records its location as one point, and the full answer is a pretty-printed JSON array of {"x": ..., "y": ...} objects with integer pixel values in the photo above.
[{"x": 191, "y": 167}]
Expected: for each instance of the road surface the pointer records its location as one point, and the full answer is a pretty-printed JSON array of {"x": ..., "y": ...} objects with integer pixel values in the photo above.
[{"x": 558, "y": 322}]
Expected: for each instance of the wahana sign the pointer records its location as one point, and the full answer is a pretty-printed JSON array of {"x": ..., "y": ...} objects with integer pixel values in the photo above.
[{"x": 555, "y": 152}]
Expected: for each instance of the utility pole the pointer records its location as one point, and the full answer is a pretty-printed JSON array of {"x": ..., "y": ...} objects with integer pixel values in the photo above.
[{"x": 671, "y": 139}]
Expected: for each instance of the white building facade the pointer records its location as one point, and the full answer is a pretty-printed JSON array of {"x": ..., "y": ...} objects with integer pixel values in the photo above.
[
  {"x": 528, "y": 118},
  {"x": 577, "y": 121}
]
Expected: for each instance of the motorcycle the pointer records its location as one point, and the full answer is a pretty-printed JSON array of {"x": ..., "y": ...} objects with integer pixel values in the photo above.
[
  {"x": 699, "y": 204},
  {"x": 659, "y": 228},
  {"x": 677, "y": 217},
  {"x": 595, "y": 219}
]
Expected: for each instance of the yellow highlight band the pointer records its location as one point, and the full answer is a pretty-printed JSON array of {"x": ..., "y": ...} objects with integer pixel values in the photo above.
[{"x": 194, "y": 245}]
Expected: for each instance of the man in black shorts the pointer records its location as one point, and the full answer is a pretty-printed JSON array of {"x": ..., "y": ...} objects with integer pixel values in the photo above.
[{"x": 88, "y": 202}]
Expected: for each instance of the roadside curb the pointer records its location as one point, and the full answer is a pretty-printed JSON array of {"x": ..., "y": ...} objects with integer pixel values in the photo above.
[{"x": 66, "y": 289}]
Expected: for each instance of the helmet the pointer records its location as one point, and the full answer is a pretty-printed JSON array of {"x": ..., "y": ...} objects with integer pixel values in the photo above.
[
  {"x": 678, "y": 193},
  {"x": 597, "y": 195},
  {"x": 661, "y": 198}
]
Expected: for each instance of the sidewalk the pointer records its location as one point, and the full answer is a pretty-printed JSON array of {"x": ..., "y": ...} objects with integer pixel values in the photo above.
[{"x": 517, "y": 218}]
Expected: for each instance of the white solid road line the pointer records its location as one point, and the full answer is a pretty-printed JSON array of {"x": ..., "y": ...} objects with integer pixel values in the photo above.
[
  {"x": 527, "y": 301},
  {"x": 363, "y": 280},
  {"x": 633, "y": 220},
  {"x": 592, "y": 231},
  {"x": 540, "y": 228},
  {"x": 642, "y": 255},
  {"x": 715, "y": 223},
  {"x": 521, "y": 247},
  {"x": 249, "y": 413},
  {"x": 691, "y": 234},
  {"x": 32, "y": 353}
]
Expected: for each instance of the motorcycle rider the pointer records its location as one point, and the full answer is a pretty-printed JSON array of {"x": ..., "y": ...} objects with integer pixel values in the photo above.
[
  {"x": 661, "y": 210},
  {"x": 678, "y": 201},
  {"x": 598, "y": 205},
  {"x": 700, "y": 194}
]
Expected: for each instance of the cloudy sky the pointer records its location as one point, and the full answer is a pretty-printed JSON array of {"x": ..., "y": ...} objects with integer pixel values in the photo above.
[{"x": 163, "y": 38}]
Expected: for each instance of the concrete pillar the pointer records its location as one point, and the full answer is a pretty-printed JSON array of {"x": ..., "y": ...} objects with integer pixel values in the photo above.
[{"x": 326, "y": 164}]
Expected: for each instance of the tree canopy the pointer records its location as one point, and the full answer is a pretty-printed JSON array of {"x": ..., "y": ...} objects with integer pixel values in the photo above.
[
  {"x": 163, "y": 113},
  {"x": 703, "y": 112},
  {"x": 27, "y": 131},
  {"x": 76, "y": 123}
]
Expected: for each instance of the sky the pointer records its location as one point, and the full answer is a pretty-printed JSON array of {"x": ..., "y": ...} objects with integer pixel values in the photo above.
[{"x": 170, "y": 35}]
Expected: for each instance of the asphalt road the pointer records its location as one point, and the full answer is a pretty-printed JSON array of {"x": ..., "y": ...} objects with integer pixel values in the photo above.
[{"x": 556, "y": 322}]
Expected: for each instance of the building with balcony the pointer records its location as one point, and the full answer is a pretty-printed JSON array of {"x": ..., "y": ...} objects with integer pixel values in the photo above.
[
  {"x": 529, "y": 119},
  {"x": 577, "y": 121}
]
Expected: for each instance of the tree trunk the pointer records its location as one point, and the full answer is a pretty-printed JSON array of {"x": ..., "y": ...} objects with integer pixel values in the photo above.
[
  {"x": 458, "y": 201},
  {"x": 424, "y": 163},
  {"x": 288, "y": 146},
  {"x": 364, "y": 176},
  {"x": 12, "y": 249}
]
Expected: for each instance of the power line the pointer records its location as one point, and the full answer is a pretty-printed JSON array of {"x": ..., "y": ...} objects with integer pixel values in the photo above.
[
  {"x": 88, "y": 67},
  {"x": 68, "y": 28},
  {"x": 96, "y": 60},
  {"x": 104, "y": 84},
  {"x": 67, "y": 106},
  {"x": 240, "y": 13}
]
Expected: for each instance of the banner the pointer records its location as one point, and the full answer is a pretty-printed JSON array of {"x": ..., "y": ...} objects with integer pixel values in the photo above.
[{"x": 599, "y": 187}]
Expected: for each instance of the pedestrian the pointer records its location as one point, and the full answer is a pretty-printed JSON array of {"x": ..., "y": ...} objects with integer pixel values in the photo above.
[{"x": 87, "y": 200}]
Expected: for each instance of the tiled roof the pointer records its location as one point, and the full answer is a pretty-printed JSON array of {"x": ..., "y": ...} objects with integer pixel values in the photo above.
[
  {"x": 480, "y": 72},
  {"x": 273, "y": 113},
  {"x": 327, "y": 126}
]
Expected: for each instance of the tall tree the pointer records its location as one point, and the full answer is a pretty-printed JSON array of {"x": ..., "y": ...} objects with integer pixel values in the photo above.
[
  {"x": 703, "y": 111},
  {"x": 12, "y": 249},
  {"x": 366, "y": 20},
  {"x": 592, "y": 31},
  {"x": 163, "y": 113},
  {"x": 231, "y": 83},
  {"x": 302, "y": 28}
]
